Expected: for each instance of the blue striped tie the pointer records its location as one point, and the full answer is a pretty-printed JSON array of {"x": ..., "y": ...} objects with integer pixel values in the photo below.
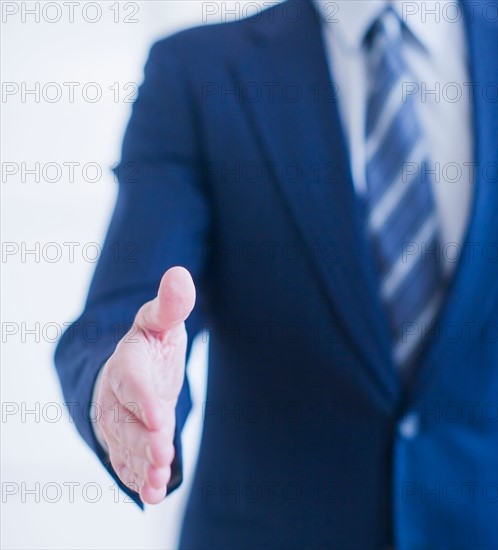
[{"x": 402, "y": 218}]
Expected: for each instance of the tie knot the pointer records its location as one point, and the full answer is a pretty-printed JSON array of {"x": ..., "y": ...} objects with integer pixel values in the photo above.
[{"x": 386, "y": 30}]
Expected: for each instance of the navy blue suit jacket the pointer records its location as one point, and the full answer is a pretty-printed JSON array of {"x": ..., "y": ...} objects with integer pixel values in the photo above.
[{"x": 234, "y": 165}]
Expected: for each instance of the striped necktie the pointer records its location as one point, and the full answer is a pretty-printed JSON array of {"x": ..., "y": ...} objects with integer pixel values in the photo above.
[{"x": 402, "y": 219}]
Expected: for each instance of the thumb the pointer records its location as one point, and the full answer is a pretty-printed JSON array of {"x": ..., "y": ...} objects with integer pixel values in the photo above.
[{"x": 173, "y": 304}]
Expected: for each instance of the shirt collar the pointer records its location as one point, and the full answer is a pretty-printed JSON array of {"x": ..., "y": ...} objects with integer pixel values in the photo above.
[{"x": 351, "y": 19}]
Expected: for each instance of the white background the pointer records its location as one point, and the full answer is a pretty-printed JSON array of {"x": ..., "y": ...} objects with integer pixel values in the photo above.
[{"x": 40, "y": 452}]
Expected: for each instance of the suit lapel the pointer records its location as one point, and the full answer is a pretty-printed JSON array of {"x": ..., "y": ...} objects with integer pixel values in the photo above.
[
  {"x": 474, "y": 290},
  {"x": 299, "y": 130}
]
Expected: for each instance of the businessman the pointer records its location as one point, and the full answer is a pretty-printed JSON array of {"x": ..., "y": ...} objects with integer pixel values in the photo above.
[{"x": 316, "y": 187}]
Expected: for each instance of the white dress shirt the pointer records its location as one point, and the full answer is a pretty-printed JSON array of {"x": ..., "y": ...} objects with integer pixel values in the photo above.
[{"x": 436, "y": 55}]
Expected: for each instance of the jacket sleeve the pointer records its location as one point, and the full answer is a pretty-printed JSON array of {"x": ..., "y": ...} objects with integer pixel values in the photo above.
[{"x": 161, "y": 219}]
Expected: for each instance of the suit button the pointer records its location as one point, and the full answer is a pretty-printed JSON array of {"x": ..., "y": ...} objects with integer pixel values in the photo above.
[{"x": 409, "y": 425}]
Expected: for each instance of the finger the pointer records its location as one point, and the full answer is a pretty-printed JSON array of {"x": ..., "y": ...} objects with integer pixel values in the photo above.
[
  {"x": 147, "y": 493},
  {"x": 152, "y": 496},
  {"x": 173, "y": 304},
  {"x": 157, "y": 478},
  {"x": 156, "y": 447}
]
